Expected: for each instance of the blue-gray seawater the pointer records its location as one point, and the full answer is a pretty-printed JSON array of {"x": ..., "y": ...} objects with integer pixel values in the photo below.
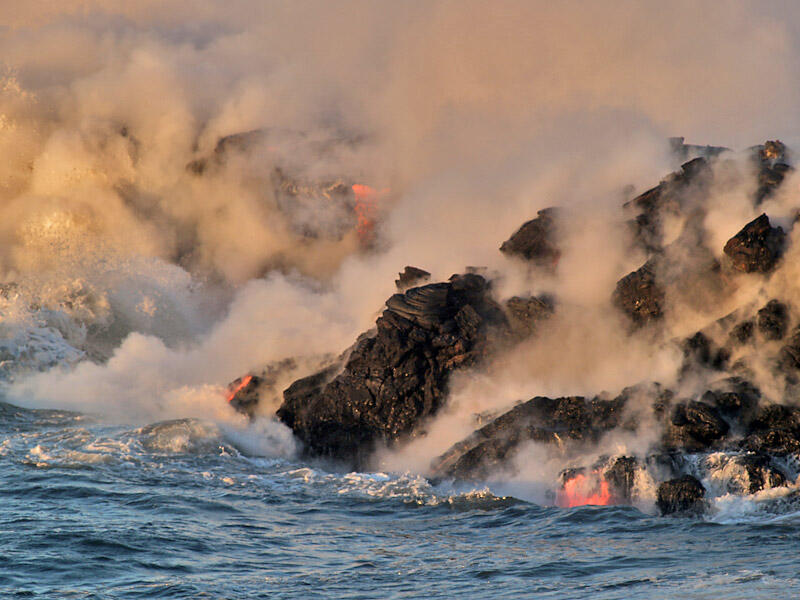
[{"x": 176, "y": 511}]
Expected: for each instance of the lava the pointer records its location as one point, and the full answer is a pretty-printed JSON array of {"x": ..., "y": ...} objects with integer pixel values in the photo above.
[
  {"x": 582, "y": 491},
  {"x": 242, "y": 384},
  {"x": 366, "y": 208}
]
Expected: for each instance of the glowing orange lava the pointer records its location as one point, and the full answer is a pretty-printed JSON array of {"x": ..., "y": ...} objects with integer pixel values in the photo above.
[
  {"x": 580, "y": 491},
  {"x": 242, "y": 384},
  {"x": 366, "y": 207}
]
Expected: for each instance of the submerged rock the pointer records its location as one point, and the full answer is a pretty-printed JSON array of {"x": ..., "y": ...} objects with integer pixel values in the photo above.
[
  {"x": 397, "y": 377},
  {"x": 534, "y": 241},
  {"x": 639, "y": 296},
  {"x": 684, "y": 494},
  {"x": 757, "y": 247}
]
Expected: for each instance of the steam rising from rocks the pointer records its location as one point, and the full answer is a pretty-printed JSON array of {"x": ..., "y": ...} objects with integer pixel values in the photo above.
[{"x": 173, "y": 280}]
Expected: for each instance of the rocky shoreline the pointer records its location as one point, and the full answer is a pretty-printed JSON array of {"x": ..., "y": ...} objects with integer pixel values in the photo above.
[{"x": 384, "y": 389}]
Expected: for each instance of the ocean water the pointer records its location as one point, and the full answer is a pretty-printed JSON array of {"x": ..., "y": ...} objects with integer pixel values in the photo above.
[{"x": 175, "y": 510}]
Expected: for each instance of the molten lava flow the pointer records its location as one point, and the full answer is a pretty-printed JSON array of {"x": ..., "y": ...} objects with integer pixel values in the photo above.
[
  {"x": 242, "y": 384},
  {"x": 580, "y": 491},
  {"x": 366, "y": 207}
]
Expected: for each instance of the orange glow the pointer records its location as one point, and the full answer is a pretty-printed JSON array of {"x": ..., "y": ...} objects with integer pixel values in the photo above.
[
  {"x": 242, "y": 384},
  {"x": 581, "y": 491},
  {"x": 366, "y": 207}
]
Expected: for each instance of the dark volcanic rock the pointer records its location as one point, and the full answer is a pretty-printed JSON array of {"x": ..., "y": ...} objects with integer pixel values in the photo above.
[
  {"x": 773, "y": 320},
  {"x": 549, "y": 420},
  {"x": 789, "y": 356},
  {"x": 245, "y": 393},
  {"x": 681, "y": 495},
  {"x": 639, "y": 296},
  {"x": 620, "y": 475},
  {"x": 757, "y": 247},
  {"x": 535, "y": 240},
  {"x": 772, "y": 167},
  {"x": 684, "y": 151},
  {"x": 735, "y": 399},
  {"x": 742, "y": 332},
  {"x": 398, "y": 377},
  {"x": 759, "y": 473},
  {"x": 525, "y": 314},
  {"x": 411, "y": 276},
  {"x": 694, "y": 426},
  {"x": 699, "y": 350},
  {"x": 668, "y": 197},
  {"x": 774, "y": 430}
]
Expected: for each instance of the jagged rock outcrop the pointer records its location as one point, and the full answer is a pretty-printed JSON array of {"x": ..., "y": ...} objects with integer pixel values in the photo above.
[
  {"x": 411, "y": 277},
  {"x": 397, "y": 377},
  {"x": 694, "y": 426},
  {"x": 683, "y": 495},
  {"x": 670, "y": 196},
  {"x": 535, "y": 240},
  {"x": 684, "y": 152},
  {"x": 639, "y": 296},
  {"x": 541, "y": 419},
  {"x": 757, "y": 247},
  {"x": 772, "y": 166}
]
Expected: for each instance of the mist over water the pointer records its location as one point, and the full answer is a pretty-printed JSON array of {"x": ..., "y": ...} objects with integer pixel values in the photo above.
[{"x": 176, "y": 210}]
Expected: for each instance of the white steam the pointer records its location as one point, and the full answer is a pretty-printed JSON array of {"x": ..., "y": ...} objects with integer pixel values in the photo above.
[{"x": 175, "y": 280}]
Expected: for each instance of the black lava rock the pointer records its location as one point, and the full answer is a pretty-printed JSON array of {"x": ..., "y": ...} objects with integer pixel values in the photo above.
[
  {"x": 535, "y": 240},
  {"x": 699, "y": 350},
  {"x": 639, "y": 296},
  {"x": 668, "y": 197},
  {"x": 761, "y": 474},
  {"x": 410, "y": 277},
  {"x": 685, "y": 494},
  {"x": 772, "y": 168},
  {"x": 549, "y": 420},
  {"x": 774, "y": 430},
  {"x": 620, "y": 475},
  {"x": 245, "y": 393},
  {"x": 742, "y": 332},
  {"x": 735, "y": 398},
  {"x": 757, "y": 247},
  {"x": 773, "y": 320},
  {"x": 525, "y": 314},
  {"x": 396, "y": 378},
  {"x": 789, "y": 356},
  {"x": 694, "y": 426}
]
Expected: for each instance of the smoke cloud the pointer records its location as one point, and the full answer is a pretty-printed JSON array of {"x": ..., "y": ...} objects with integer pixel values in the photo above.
[{"x": 173, "y": 257}]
